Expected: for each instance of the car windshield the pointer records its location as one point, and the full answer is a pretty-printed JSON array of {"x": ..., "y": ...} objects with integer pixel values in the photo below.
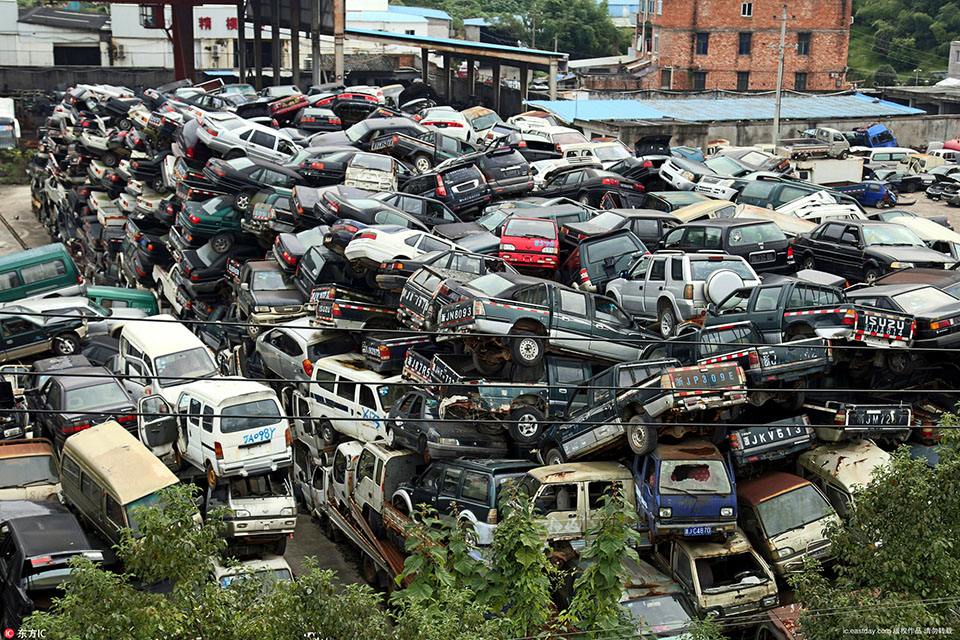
[
  {"x": 718, "y": 574},
  {"x": 249, "y": 415},
  {"x": 701, "y": 269},
  {"x": 754, "y": 159},
  {"x": 28, "y": 470},
  {"x": 390, "y": 393},
  {"x": 190, "y": 363},
  {"x": 207, "y": 254},
  {"x": 681, "y": 198},
  {"x": 611, "y": 152},
  {"x": 485, "y": 121},
  {"x": 623, "y": 245},
  {"x": 372, "y": 161},
  {"x": 357, "y": 131},
  {"x": 107, "y": 394},
  {"x": 569, "y": 137},
  {"x": 270, "y": 281},
  {"x": 267, "y": 577},
  {"x": 890, "y": 235},
  {"x": 529, "y": 228},
  {"x": 491, "y": 284},
  {"x": 493, "y": 219},
  {"x": 755, "y": 234},
  {"x": 725, "y": 166},
  {"x": 924, "y": 300},
  {"x": 659, "y": 614},
  {"x": 261, "y": 485},
  {"x": 606, "y": 220},
  {"x": 792, "y": 510},
  {"x": 212, "y": 205},
  {"x": 151, "y": 500},
  {"x": 693, "y": 476}
]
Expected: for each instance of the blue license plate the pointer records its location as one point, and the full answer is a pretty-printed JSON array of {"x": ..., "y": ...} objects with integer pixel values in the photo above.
[{"x": 697, "y": 531}]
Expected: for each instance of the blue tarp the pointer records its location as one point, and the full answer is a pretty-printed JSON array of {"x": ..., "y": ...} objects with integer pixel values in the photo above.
[{"x": 725, "y": 108}]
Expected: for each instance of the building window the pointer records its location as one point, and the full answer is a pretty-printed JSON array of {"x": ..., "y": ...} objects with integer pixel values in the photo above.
[
  {"x": 666, "y": 78},
  {"x": 410, "y": 32},
  {"x": 743, "y": 80},
  {"x": 699, "y": 80},
  {"x": 803, "y": 43},
  {"x": 659, "y": 7},
  {"x": 746, "y": 42},
  {"x": 703, "y": 43},
  {"x": 800, "y": 81},
  {"x": 746, "y": 9}
]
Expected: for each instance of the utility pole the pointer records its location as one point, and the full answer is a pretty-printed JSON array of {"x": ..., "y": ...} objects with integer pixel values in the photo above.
[{"x": 776, "y": 113}]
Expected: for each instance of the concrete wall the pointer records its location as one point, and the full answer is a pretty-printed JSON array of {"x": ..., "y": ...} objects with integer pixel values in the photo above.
[
  {"x": 911, "y": 131},
  {"x": 953, "y": 69},
  {"x": 16, "y": 79}
]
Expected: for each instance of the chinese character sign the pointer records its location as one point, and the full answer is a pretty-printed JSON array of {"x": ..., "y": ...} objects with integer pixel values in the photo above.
[
  {"x": 232, "y": 24},
  {"x": 206, "y": 23}
]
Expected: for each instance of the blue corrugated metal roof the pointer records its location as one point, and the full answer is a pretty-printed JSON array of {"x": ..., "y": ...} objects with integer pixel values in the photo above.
[
  {"x": 453, "y": 42},
  {"x": 382, "y": 16},
  {"x": 477, "y": 22},
  {"x": 436, "y": 14},
  {"x": 725, "y": 109}
]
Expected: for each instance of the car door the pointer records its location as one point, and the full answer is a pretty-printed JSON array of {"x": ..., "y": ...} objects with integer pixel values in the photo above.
[
  {"x": 191, "y": 410},
  {"x": 632, "y": 287},
  {"x": 21, "y": 338},
  {"x": 269, "y": 352},
  {"x": 850, "y": 254},
  {"x": 570, "y": 326},
  {"x": 264, "y": 145},
  {"x": 656, "y": 281},
  {"x": 426, "y": 489},
  {"x": 156, "y": 424},
  {"x": 766, "y": 312},
  {"x": 610, "y": 325},
  {"x": 558, "y": 508},
  {"x": 449, "y": 489}
]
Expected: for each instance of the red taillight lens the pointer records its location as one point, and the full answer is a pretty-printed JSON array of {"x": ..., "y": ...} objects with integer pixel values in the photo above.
[
  {"x": 150, "y": 247},
  {"x": 170, "y": 209},
  {"x": 384, "y": 352},
  {"x": 218, "y": 450},
  {"x": 127, "y": 419},
  {"x": 194, "y": 219},
  {"x": 441, "y": 189},
  {"x": 289, "y": 259},
  {"x": 190, "y": 152},
  {"x": 76, "y": 428},
  {"x": 754, "y": 358},
  {"x": 220, "y": 172},
  {"x": 319, "y": 166},
  {"x": 790, "y": 251},
  {"x": 307, "y": 367},
  {"x": 333, "y": 204},
  {"x": 138, "y": 236},
  {"x": 611, "y": 182},
  {"x": 368, "y": 235},
  {"x": 334, "y": 120},
  {"x": 849, "y": 318},
  {"x": 638, "y": 187},
  {"x": 647, "y": 164},
  {"x": 288, "y": 438},
  {"x": 324, "y": 101},
  {"x": 734, "y": 441}
]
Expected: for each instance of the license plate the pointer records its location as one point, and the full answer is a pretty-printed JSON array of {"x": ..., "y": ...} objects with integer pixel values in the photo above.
[
  {"x": 181, "y": 297},
  {"x": 322, "y": 293},
  {"x": 695, "y": 378},
  {"x": 459, "y": 312},
  {"x": 413, "y": 300},
  {"x": 879, "y": 417},
  {"x": 763, "y": 257},
  {"x": 750, "y": 439},
  {"x": 697, "y": 531},
  {"x": 884, "y": 325},
  {"x": 325, "y": 309},
  {"x": 258, "y": 437},
  {"x": 262, "y": 211}
]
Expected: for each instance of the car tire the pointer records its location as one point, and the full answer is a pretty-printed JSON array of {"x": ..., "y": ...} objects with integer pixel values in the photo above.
[
  {"x": 808, "y": 262},
  {"x": 844, "y": 154},
  {"x": 110, "y": 159},
  {"x": 158, "y": 185},
  {"x": 584, "y": 199},
  {"x": 527, "y": 424},
  {"x": 422, "y": 164},
  {"x": 485, "y": 367},
  {"x": 422, "y": 448},
  {"x": 66, "y": 344},
  {"x": 328, "y": 434},
  {"x": 211, "y": 476},
  {"x": 125, "y": 124},
  {"x": 280, "y": 546},
  {"x": 527, "y": 349},
  {"x": 666, "y": 320},
  {"x": 242, "y": 201},
  {"x": 871, "y": 274},
  {"x": 553, "y": 456},
  {"x": 222, "y": 242},
  {"x": 642, "y": 438}
]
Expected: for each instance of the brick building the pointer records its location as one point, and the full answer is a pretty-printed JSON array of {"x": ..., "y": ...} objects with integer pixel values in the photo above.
[{"x": 730, "y": 44}]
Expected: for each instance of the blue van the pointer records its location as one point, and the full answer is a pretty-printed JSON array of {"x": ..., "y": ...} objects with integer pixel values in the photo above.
[
  {"x": 686, "y": 490},
  {"x": 35, "y": 271}
]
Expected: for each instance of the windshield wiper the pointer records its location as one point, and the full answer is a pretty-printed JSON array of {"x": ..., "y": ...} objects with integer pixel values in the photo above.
[{"x": 37, "y": 481}]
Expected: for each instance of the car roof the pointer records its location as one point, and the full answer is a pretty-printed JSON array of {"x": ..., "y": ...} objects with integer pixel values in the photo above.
[
  {"x": 726, "y": 222},
  {"x": 580, "y": 471},
  {"x": 646, "y": 213},
  {"x": 851, "y": 463},
  {"x": 921, "y": 276},
  {"x": 498, "y": 465},
  {"x": 352, "y": 365},
  {"x": 218, "y": 390},
  {"x": 887, "y": 289},
  {"x": 767, "y": 486},
  {"x": 40, "y": 304},
  {"x": 693, "y": 449},
  {"x": 737, "y": 543},
  {"x": 11, "y": 509},
  {"x": 160, "y": 335},
  {"x": 23, "y": 448},
  {"x": 48, "y": 534},
  {"x": 80, "y": 377},
  {"x": 299, "y": 328}
]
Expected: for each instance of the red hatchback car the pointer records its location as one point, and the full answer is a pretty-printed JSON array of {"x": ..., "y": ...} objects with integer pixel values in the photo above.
[{"x": 530, "y": 242}]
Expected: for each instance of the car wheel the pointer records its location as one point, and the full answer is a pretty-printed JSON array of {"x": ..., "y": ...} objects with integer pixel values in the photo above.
[
  {"x": 642, "y": 438},
  {"x": 666, "y": 321},
  {"x": 66, "y": 344},
  {"x": 125, "y": 124},
  {"x": 870, "y": 275},
  {"x": 527, "y": 349},
  {"x": 280, "y": 546},
  {"x": 327, "y": 433},
  {"x": 158, "y": 184},
  {"x": 844, "y": 154},
  {"x": 553, "y": 456},
  {"x": 242, "y": 201},
  {"x": 211, "y": 476},
  {"x": 483, "y": 366},
  {"x": 389, "y": 438},
  {"x": 808, "y": 262},
  {"x": 422, "y": 164},
  {"x": 584, "y": 199},
  {"x": 526, "y": 424},
  {"x": 422, "y": 448},
  {"x": 110, "y": 159},
  {"x": 222, "y": 242}
]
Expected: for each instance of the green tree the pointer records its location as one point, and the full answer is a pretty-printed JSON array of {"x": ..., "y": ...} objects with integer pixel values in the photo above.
[{"x": 884, "y": 76}]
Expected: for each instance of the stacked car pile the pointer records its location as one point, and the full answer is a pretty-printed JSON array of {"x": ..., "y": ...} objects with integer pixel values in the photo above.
[{"x": 437, "y": 304}]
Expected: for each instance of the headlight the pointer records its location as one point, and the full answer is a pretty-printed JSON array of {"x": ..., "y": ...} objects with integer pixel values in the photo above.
[
  {"x": 901, "y": 265},
  {"x": 785, "y": 552},
  {"x": 450, "y": 441},
  {"x": 287, "y": 511},
  {"x": 552, "y": 250},
  {"x": 665, "y": 512},
  {"x": 241, "y": 513},
  {"x": 714, "y": 613},
  {"x": 507, "y": 247},
  {"x": 687, "y": 175},
  {"x": 261, "y": 309},
  {"x": 770, "y": 601},
  {"x": 726, "y": 512}
]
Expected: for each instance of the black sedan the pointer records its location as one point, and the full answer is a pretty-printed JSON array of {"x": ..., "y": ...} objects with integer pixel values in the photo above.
[
  {"x": 203, "y": 269},
  {"x": 594, "y": 187},
  {"x": 317, "y": 119},
  {"x": 413, "y": 423},
  {"x": 244, "y": 177},
  {"x": 361, "y": 134},
  {"x": 332, "y": 203},
  {"x": 456, "y": 182},
  {"x": 288, "y": 248},
  {"x": 862, "y": 251},
  {"x": 646, "y": 171},
  {"x": 323, "y": 166},
  {"x": 647, "y": 224},
  {"x": 944, "y": 187},
  {"x": 507, "y": 172},
  {"x": 937, "y": 313}
]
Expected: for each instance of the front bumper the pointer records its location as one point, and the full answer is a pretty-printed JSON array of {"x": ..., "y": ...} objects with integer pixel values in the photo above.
[
  {"x": 523, "y": 259},
  {"x": 247, "y": 527}
]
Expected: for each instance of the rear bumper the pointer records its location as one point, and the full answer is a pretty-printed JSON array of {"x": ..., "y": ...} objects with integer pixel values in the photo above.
[
  {"x": 695, "y": 402},
  {"x": 254, "y": 465}
]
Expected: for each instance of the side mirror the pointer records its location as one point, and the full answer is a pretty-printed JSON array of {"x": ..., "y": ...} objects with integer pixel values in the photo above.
[
  {"x": 623, "y": 273},
  {"x": 712, "y": 309},
  {"x": 245, "y": 286}
]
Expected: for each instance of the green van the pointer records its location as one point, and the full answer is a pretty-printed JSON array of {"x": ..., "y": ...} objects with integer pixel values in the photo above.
[
  {"x": 120, "y": 297},
  {"x": 35, "y": 271}
]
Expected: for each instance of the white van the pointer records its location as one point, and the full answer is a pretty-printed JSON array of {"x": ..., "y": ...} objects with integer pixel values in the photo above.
[
  {"x": 950, "y": 156},
  {"x": 346, "y": 398},
  {"x": 887, "y": 156},
  {"x": 379, "y": 473},
  {"x": 231, "y": 427},
  {"x": 154, "y": 355},
  {"x": 261, "y": 509}
]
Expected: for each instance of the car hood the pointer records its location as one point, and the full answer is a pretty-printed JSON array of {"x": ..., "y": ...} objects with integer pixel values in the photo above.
[
  {"x": 332, "y": 138},
  {"x": 281, "y": 298},
  {"x": 120, "y": 313},
  {"x": 480, "y": 242},
  {"x": 928, "y": 229},
  {"x": 587, "y": 228},
  {"x": 911, "y": 254},
  {"x": 457, "y": 230}
]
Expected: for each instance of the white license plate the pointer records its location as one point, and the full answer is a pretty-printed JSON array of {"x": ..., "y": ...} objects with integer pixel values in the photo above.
[{"x": 697, "y": 531}]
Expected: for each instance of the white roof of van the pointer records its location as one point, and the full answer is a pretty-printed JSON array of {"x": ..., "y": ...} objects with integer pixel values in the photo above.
[
  {"x": 218, "y": 390},
  {"x": 121, "y": 459},
  {"x": 851, "y": 463},
  {"x": 160, "y": 335},
  {"x": 352, "y": 365}
]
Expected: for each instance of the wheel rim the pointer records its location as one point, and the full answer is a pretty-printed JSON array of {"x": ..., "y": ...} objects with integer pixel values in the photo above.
[
  {"x": 243, "y": 201},
  {"x": 389, "y": 437},
  {"x": 639, "y": 437},
  {"x": 423, "y": 165},
  {"x": 65, "y": 346},
  {"x": 666, "y": 323},
  {"x": 221, "y": 245},
  {"x": 553, "y": 457},
  {"x": 808, "y": 263},
  {"x": 584, "y": 199},
  {"x": 871, "y": 277},
  {"x": 528, "y": 425},
  {"x": 529, "y": 349}
]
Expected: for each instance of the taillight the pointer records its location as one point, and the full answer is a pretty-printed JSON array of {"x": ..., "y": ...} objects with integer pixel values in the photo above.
[
  {"x": 319, "y": 166},
  {"x": 41, "y": 561},
  {"x": 849, "y": 318},
  {"x": 195, "y": 277},
  {"x": 734, "y": 441},
  {"x": 193, "y": 218},
  {"x": 367, "y": 235},
  {"x": 212, "y": 133},
  {"x": 220, "y": 172},
  {"x": 74, "y": 428},
  {"x": 688, "y": 292},
  {"x": 613, "y": 182},
  {"x": 638, "y": 187},
  {"x": 324, "y": 101},
  {"x": 647, "y": 164},
  {"x": 307, "y": 367},
  {"x": 789, "y": 251},
  {"x": 334, "y": 120},
  {"x": 753, "y": 358},
  {"x": 289, "y": 259},
  {"x": 492, "y": 516},
  {"x": 138, "y": 236},
  {"x": 170, "y": 209},
  {"x": 127, "y": 419},
  {"x": 522, "y": 144},
  {"x": 840, "y": 417},
  {"x": 336, "y": 311},
  {"x": 333, "y": 204},
  {"x": 218, "y": 450},
  {"x": 288, "y": 437},
  {"x": 384, "y": 352},
  {"x": 441, "y": 190},
  {"x": 190, "y": 152}
]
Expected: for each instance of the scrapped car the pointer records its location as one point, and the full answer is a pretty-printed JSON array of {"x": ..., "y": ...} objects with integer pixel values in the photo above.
[
  {"x": 530, "y": 242},
  {"x": 598, "y": 260},
  {"x": 29, "y": 470},
  {"x": 839, "y": 470},
  {"x": 761, "y": 243}
]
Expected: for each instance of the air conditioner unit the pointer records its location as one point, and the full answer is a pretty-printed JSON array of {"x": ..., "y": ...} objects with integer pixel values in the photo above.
[{"x": 119, "y": 53}]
